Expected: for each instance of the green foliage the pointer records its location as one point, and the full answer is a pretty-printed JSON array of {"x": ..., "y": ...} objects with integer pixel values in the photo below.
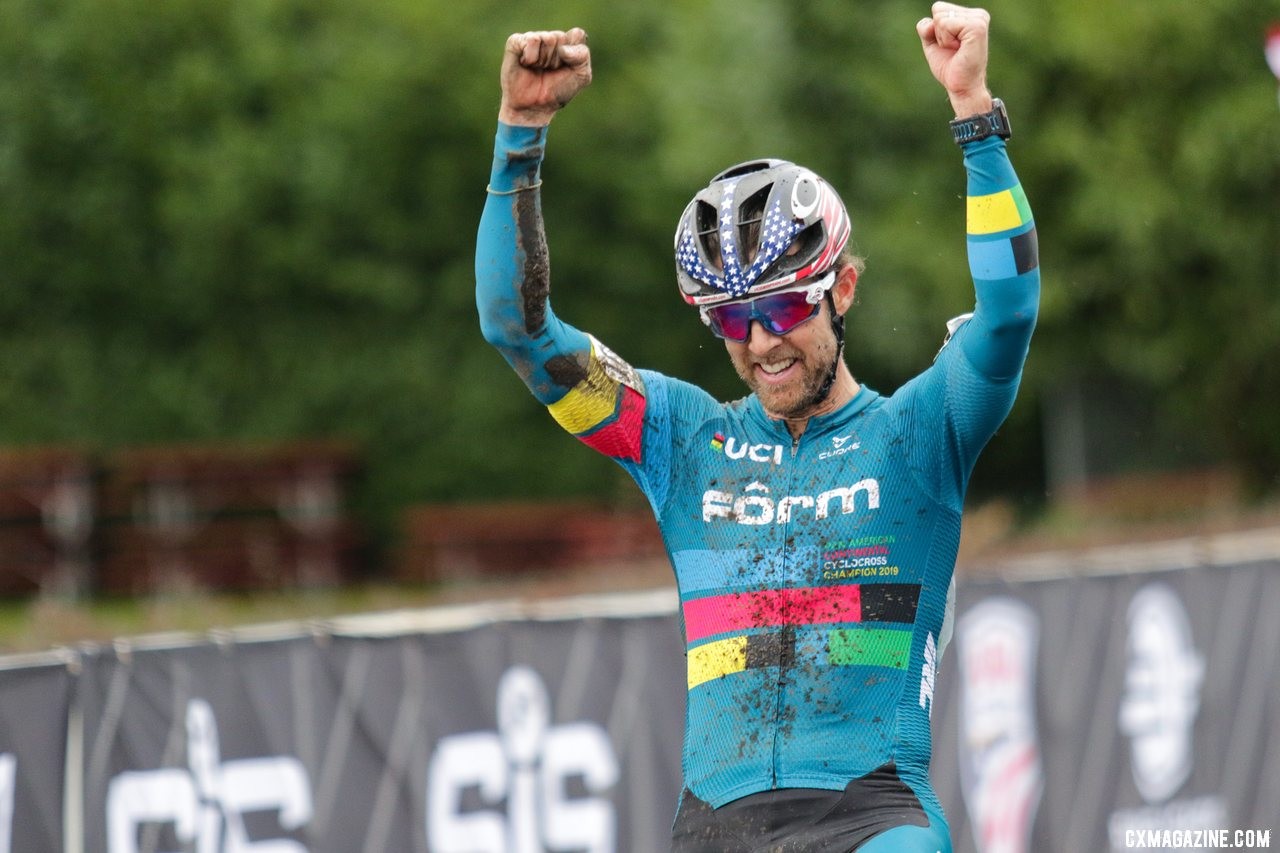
[
  {"x": 1154, "y": 159},
  {"x": 254, "y": 219}
]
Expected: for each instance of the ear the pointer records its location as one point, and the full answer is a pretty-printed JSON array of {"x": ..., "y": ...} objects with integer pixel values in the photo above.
[{"x": 842, "y": 292}]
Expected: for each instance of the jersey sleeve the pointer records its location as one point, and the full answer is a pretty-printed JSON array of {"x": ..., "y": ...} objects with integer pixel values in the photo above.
[
  {"x": 1003, "y": 260},
  {"x": 592, "y": 393},
  {"x": 958, "y": 404}
]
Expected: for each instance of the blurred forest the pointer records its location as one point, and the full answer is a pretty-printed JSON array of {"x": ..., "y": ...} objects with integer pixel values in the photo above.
[{"x": 254, "y": 221}]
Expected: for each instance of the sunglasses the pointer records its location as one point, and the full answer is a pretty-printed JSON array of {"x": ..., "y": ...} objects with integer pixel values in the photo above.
[{"x": 778, "y": 312}]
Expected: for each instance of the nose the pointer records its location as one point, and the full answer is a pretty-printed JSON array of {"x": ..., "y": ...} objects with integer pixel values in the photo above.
[{"x": 759, "y": 339}]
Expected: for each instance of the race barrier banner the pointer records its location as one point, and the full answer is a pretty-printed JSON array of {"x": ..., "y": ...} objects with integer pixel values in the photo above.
[
  {"x": 514, "y": 736},
  {"x": 1102, "y": 711},
  {"x": 35, "y": 707},
  {"x": 1091, "y": 714}
]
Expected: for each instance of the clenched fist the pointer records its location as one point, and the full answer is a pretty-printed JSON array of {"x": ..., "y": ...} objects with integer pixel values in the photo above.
[
  {"x": 955, "y": 44},
  {"x": 541, "y": 72}
]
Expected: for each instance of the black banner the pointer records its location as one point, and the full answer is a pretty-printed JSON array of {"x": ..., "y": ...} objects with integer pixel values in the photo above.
[
  {"x": 34, "y": 709},
  {"x": 195, "y": 748},
  {"x": 1097, "y": 713},
  {"x": 1100, "y": 712},
  {"x": 517, "y": 736}
]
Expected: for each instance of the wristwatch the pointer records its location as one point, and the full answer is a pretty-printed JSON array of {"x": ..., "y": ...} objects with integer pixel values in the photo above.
[{"x": 973, "y": 128}]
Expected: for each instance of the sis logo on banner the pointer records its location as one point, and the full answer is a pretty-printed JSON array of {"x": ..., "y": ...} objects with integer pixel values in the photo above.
[
  {"x": 206, "y": 801},
  {"x": 531, "y": 767}
]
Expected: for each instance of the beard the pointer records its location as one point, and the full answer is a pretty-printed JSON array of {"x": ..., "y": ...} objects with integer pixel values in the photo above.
[{"x": 799, "y": 397}]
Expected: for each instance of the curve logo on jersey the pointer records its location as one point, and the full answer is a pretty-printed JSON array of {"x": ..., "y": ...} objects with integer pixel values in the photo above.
[
  {"x": 1000, "y": 767},
  {"x": 529, "y": 787},
  {"x": 840, "y": 445},
  {"x": 205, "y": 803},
  {"x": 734, "y": 449},
  {"x": 757, "y": 506}
]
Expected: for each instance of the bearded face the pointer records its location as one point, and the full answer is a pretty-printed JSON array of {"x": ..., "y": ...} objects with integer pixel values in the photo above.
[{"x": 788, "y": 373}]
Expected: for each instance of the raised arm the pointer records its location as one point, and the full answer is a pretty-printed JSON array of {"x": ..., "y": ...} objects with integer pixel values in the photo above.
[
  {"x": 541, "y": 72},
  {"x": 1002, "y": 246},
  {"x": 589, "y": 391}
]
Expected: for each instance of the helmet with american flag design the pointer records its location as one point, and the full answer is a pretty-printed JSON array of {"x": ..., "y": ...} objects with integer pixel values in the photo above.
[{"x": 759, "y": 226}]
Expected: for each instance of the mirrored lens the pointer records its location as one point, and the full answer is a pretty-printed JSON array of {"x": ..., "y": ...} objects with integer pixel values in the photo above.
[
  {"x": 731, "y": 321},
  {"x": 782, "y": 312},
  {"x": 779, "y": 313}
]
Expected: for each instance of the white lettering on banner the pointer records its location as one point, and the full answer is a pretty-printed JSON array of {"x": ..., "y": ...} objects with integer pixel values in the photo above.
[
  {"x": 1162, "y": 692},
  {"x": 758, "y": 508},
  {"x": 528, "y": 763},
  {"x": 205, "y": 802},
  {"x": 1163, "y": 679},
  {"x": 8, "y": 792}
]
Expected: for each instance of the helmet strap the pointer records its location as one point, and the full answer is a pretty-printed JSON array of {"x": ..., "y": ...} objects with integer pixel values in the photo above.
[{"x": 837, "y": 328}]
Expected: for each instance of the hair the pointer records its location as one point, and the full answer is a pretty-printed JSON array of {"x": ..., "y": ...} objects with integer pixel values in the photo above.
[{"x": 849, "y": 258}]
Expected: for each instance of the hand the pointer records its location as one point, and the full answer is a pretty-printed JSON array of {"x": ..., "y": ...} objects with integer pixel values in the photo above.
[
  {"x": 541, "y": 72},
  {"x": 955, "y": 44}
]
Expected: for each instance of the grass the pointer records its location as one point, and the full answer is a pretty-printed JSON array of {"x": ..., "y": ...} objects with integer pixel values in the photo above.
[{"x": 47, "y": 622}]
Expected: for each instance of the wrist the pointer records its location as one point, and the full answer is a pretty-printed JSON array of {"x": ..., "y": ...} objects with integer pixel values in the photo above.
[
  {"x": 971, "y": 103},
  {"x": 524, "y": 118},
  {"x": 517, "y": 157}
]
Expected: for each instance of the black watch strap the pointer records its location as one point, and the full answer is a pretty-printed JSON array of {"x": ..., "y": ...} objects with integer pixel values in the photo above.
[{"x": 973, "y": 128}]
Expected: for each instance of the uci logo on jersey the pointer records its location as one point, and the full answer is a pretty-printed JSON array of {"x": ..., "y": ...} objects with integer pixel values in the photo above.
[{"x": 735, "y": 449}]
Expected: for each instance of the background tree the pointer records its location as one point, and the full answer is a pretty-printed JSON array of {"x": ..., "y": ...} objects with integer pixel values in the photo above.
[{"x": 253, "y": 220}]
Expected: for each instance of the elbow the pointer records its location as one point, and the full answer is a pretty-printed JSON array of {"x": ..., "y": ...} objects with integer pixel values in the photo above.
[
  {"x": 1017, "y": 321},
  {"x": 496, "y": 329},
  {"x": 1015, "y": 330}
]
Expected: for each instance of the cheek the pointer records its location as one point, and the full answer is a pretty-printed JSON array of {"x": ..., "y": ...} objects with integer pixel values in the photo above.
[
  {"x": 818, "y": 339},
  {"x": 737, "y": 355}
]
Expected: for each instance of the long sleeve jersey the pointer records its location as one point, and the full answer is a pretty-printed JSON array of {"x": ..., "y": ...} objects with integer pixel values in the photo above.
[{"x": 813, "y": 574}]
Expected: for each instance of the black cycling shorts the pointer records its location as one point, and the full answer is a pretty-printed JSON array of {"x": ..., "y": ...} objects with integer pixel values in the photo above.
[{"x": 802, "y": 820}]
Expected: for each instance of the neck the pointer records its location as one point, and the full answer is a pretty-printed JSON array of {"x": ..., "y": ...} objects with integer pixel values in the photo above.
[{"x": 843, "y": 389}]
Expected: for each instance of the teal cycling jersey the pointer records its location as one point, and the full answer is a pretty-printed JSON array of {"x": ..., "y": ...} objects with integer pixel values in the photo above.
[{"x": 814, "y": 573}]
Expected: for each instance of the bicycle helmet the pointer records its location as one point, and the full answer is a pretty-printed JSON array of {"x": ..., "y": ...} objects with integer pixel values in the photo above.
[{"x": 759, "y": 226}]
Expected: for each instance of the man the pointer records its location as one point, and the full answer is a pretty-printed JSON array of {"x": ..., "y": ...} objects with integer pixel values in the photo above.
[{"x": 813, "y": 525}]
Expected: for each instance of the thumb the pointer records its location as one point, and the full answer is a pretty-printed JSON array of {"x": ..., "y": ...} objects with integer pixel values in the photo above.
[
  {"x": 574, "y": 50},
  {"x": 574, "y": 54}
]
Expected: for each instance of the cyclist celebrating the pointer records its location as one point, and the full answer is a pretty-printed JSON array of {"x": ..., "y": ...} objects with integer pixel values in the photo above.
[{"x": 813, "y": 525}]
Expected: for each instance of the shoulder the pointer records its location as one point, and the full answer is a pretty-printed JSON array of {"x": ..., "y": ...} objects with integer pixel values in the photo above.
[
  {"x": 681, "y": 392},
  {"x": 929, "y": 383}
]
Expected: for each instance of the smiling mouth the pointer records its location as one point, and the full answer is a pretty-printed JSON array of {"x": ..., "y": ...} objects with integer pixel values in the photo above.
[{"x": 776, "y": 368}]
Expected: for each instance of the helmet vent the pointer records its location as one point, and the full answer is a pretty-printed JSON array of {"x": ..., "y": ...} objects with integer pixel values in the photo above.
[
  {"x": 751, "y": 214},
  {"x": 746, "y": 168}
]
